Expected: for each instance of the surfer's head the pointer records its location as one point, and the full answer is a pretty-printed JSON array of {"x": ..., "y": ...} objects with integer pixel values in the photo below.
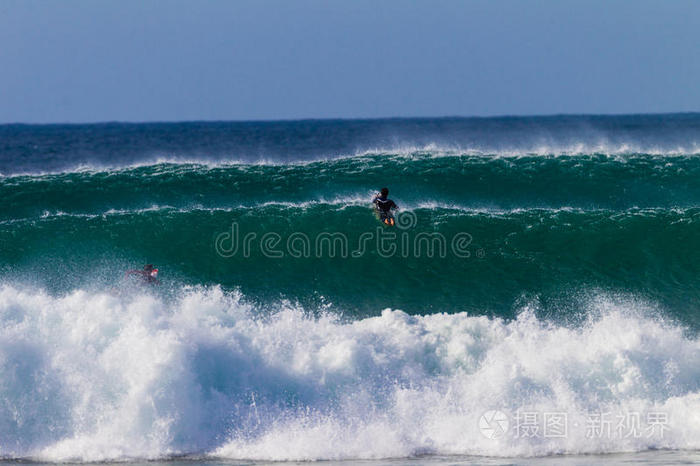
[
  {"x": 385, "y": 191},
  {"x": 148, "y": 268}
]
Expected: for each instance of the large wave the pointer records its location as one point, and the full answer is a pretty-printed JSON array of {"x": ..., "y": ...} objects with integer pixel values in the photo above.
[
  {"x": 486, "y": 182},
  {"x": 535, "y": 226},
  {"x": 92, "y": 376},
  {"x": 42, "y": 148}
]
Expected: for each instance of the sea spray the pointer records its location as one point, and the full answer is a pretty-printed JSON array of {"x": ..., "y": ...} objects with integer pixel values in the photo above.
[{"x": 92, "y": 376}]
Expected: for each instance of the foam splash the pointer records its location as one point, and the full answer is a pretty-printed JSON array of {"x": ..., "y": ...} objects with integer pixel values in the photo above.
[
  {"x": 165, "y": 164},
  {"x": 93, "y": 376}
]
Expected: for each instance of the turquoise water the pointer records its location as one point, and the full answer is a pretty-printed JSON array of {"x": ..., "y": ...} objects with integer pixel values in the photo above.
[
  {"x": 544, "y": 227},
  {"x": 539, "y": 265}
]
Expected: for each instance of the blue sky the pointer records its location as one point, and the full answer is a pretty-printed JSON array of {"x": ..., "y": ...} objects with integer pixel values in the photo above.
[{"x": 84, "y": 61}]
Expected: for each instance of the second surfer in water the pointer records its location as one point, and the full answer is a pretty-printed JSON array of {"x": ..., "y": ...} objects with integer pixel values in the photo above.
[
  {"x": 148, "y": 274},
  {"x": 384, "y": 206}
]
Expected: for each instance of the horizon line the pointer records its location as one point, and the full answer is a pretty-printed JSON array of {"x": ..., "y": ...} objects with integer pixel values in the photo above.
[{"x": 331, "y": 119}]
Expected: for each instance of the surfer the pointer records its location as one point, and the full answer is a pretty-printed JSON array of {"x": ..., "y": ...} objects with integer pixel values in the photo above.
[
  {"x": 148, "y": 274},
  {"x": 384, "y": 206}
]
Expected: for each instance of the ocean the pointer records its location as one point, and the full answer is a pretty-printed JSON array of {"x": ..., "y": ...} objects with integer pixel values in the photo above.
[{"x": 537, "y": 302}]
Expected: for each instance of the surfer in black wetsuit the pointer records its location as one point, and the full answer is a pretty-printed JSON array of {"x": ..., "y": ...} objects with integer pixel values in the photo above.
[
  {"x": 384, "y": 206},
  {"x": 148, "y": 274}
]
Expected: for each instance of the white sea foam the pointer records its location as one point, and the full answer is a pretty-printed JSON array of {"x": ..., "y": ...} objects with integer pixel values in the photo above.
[
  {"x": 340, "y": 203},
  {"x": 164, "y": 162},
  {"x": 95, "y": 376}
]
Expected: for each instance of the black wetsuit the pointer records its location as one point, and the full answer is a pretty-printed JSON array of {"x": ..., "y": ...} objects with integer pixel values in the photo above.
[{"x": 384, "y": 206}]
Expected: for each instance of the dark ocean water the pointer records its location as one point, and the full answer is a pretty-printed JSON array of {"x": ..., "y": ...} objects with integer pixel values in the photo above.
[{"x": 540, "y": 263}]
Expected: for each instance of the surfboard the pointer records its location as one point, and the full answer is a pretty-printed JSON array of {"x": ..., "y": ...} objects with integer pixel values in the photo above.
[{"x": 389, "y": 221}]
